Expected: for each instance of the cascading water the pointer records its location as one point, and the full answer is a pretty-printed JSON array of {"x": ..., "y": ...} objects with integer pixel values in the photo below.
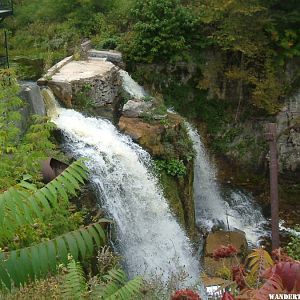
[
  {"x": 148, "y": 236},
  {"x": 131, "y": 86},
  {"x": 233, "y": 208}
]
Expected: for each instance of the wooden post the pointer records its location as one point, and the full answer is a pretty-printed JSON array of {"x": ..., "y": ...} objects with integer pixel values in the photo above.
[
  {"x": 6, "y": 48},
  {"x": 271, "y": 137}
]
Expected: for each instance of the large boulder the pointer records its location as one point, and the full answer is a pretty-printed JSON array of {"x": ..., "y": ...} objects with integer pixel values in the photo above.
[
  {"x": 31, "y": 94},
  {"x": 88, "y": 83},
  {"x": 34, "y": 104},
  {"x": 135, "y": 108},
  {"x": 149, "y": 136},
  {"x": 216, "y": 239}
]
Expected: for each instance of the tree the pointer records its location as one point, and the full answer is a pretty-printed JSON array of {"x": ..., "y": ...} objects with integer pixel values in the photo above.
[
  {"x": 161, "y": 31},
  {"x": 238, "y": 33}
]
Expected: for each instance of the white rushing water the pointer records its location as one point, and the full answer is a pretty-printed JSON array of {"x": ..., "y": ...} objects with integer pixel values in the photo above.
[
  {"x": 131, "y": 86},
  {"x": 233, "y": 208},
  {"x": 148, "y": 236}
]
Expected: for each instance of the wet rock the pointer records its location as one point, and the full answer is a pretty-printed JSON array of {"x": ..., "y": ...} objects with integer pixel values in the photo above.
[
  {"x": 31, "y": 93},
  {"x": 149, "y": 136},
  {"x": 136, "y": 108},
  {"x": 215, "y": 240}
]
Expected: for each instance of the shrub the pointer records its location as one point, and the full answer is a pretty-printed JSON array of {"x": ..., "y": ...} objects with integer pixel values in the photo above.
[
  {"x": 162, "y": 32},
  {"x": 173, "y": 167}
]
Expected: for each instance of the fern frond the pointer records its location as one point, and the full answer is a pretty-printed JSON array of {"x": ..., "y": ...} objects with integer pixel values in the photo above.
[
  {"x": 23, "y": 265},
  {"x": 117, "y": 286},
  {"x": 258, "y": 261},
  {"x": 19, "y": 205},
  {"x": 74, "y": 286}
]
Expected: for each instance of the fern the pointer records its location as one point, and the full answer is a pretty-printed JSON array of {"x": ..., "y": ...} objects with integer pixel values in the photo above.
[
  {"x": 74, "y": 286},
  {"x": 23, "y": 265},
  {"x": 20, "y": 204},
  {"x": 118, "y": 287},
  {"x": 258, "y": 261}
]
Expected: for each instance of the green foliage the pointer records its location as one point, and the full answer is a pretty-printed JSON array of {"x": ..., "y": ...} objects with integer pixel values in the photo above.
[
  {"x": 293, "y": 247},
  {"x": 233, "y": 27},
  {"x": 82, "y": 98},
  {"x": 74, "y": 285},
  {"x": 20, "y": 153},
  {"x": 24, "y": 202},
  {"x": 115, "y": 285},
  {"x": 59, "y": 221},
  {"x": 173, "y": 167},
  {"x": 284, "y": 29},
  {"x": 23, "y": 265},
  {"x": 161, "y": 31}
]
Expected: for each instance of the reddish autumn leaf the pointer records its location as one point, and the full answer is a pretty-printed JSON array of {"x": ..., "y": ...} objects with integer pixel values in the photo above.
[
  {"x": 280, "y": 255},
  {"x": 238, "y": 275},
  {"x": 224, "y": 251},
  {"x": 185, "y": 295},
  {"x": 227, "y": 296},
  {"x": 289, "y": 272}
]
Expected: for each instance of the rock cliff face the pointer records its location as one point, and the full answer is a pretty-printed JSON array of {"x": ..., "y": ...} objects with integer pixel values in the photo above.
[{"x": 288, "y": 121}]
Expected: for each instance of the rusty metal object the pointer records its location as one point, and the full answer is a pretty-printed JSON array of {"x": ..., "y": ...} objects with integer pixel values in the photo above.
[
  {"x": 271, "y": 138},
  {"x": 51, "y": 168}
]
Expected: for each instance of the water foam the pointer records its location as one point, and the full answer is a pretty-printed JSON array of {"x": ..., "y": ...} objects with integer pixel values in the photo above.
[
  {"x": 148, "y": 236},
  {"x": 234, "y": 208}
]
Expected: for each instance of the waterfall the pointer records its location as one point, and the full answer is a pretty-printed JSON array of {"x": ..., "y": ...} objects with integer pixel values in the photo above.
[
  {"x": 132, "y": 87},
  {"x": 148, "y": 237},
  {"x": 214, "y": 207}
]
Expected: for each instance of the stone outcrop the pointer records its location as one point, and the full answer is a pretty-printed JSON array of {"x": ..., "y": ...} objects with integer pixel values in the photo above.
[
  {"x": 149, "y": 135},
  {"x": 34, "y": 104},
  {"x": 217, "y": 239},
  {"x": 109, "y": 55},
  {"x": 288, "y": 121},
  {"x": 135, "y": 108},
  {"x": 31, "y": 93},
  {"x": 160, "y": 140},
  {"x": 99, "y": 78}
]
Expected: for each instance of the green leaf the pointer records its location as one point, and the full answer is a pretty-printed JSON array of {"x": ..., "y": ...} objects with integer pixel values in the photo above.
[
  {"x": 88, "y": 241},
  {"x": 72, "y": 245},
  {"x": 51, "y": 255},
  {"x": 4, "y": 277},
  {"x": 62, "y": 250},
  {"x": 80, "y": 243}
]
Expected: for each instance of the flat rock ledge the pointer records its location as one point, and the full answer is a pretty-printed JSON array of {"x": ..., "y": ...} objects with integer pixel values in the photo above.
[{"x": 95, "y": 79}]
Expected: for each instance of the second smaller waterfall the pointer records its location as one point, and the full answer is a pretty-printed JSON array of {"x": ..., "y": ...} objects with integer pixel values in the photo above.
[{"x": 235, "y": 209}]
